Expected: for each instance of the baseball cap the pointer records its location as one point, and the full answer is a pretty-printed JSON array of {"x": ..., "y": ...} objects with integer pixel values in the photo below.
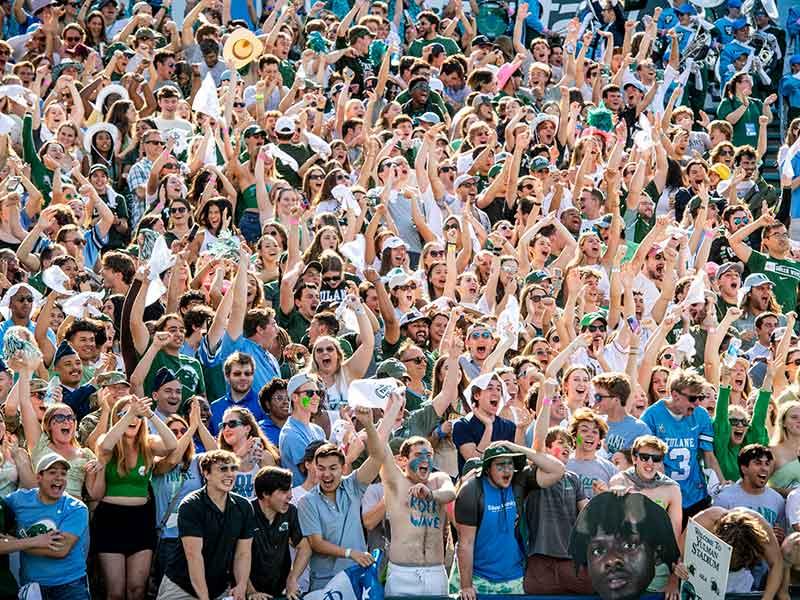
[
  {"x": 162, "y": 378},
  {"x": 299, "y": 380},
  {"x": 462, "y": 179},
  {"x": 794, "y": 59},
  {"x": 739, "y": 23},
  {"x": 729, "y": 266},
  {"x": 540, "y": 163},
  {"x": 111, "y": 378},
  {"x": 685, "y": 9},
  {"x": 391, "y": 367},
  {"x": 38, "y": 385},
  {"x": 734, "y": 4},
  {"x": 412, "y": 316},
  {"x": 284, "y": 126},
  {"x": 98, "y": 167},
  {"x": 591, "y": 317},
  {"x": 754, "y": 280},
  {"x": 429, "y": 117},
  {"x": 393, "y": 242},
  {"x": 722, "y": 170},
  {"x": 50, "y": 459},
  {"x": 481, "y": 99},
  {"x": 481, "y": 41}
]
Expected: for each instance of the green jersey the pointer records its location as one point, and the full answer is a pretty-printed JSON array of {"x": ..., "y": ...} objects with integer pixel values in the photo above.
[{"x": 783, "y": 272}]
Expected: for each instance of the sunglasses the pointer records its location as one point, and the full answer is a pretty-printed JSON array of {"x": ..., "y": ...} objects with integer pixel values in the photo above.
[
  {"x": 725, "y": 152},
  {"x": 406, "y": 287},
  {"x": 70, "y": 38},
  {"x": 417, "y": 360},
  {"x": 510, "y": 268},
  {"x": 536, "y": 299},
  {"x": 155, "y": 143},
  {"x": 232, "y": 424},
  {"x": 741, "y": 221},
  {"x": 598, "y": 398},
  {"x": 332, "y": 278},
  {"x": 596, "y": 328},
  {"x": 555, "y": 339},
  {"x": 180, "y": 431},
  {"x": 177, "y": 210},
  {"x": 315, "y": 393},
  {"x": 646, "y": 456},
  {"x": 451, "y": 226},
  {"x": 25, "y": 299},
  {"x": 693, "y": 398},
  {"x": 475, "y": 335},
  {"x": 238, "y": 105},
  {"x": 667, "y": 356},
  {"x": 436, "y": 253},
  {"x": 63, "y": 418},
  {"x": 738, "y": 422},
  {"x": 446, "y": 169},
  {"x": 171, "y": 166},
  {"x": 326, "y": 349},
  {"x": 227, "y": 468},
  {"x": 316, "y": 177}
]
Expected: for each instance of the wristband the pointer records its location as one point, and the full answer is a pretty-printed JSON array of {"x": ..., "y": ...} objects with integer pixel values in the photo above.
[
  {"x": 440, "y": 434},
  {"x": 294, "y": 221},
  {"x": 547, "y": 401},
  {"x": 260, "y": 97},
  {"x": 359, "y": 311},
  {"x": 347, "y": 552}
]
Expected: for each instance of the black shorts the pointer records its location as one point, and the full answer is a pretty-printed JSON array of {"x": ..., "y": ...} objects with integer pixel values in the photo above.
[{"x": 123, "y": 530}]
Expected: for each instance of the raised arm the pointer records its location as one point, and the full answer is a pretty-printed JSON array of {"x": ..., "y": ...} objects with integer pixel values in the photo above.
[
  {"x": 356, "y": 366},
  {"x": 239, "y": 304}
]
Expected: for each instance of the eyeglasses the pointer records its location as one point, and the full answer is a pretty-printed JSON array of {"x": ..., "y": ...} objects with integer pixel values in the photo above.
[
  {"x": 741, "y": 221},
  {"x": 693, "y": 398},
  {"x": 646, "y": 456},
  {"x": 596, "y": 328},
  {"x": 555, "y": 339},
  {"x": 780, "y": 234},
  {"x": 417, "y": 360},
  {"x": 315, "y": 393},
  {"x": 61, "y": 418},
  {"x": 227, "y": 468},
  {"x": 232, "y": 424},
  {"x": 738, "y": 422},
  {"x": 475, "y": 335},
  {"x": 178, "y": 210}
]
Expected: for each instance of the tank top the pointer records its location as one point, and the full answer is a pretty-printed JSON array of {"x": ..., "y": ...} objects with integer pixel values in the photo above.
[{"x": 133, "y": 485}]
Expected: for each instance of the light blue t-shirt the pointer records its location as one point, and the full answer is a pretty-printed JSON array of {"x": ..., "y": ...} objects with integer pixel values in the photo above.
[
  {"x": 177, "y": 483},
  {"x": 686, "y": 438},
  {"x": 598, "y": 469},
  {"x": 68, "y": 515},
  {"x": 5, "y": 325},
  {"x": 267, "y": 368},
  {"x": 500, "y": 557},
  {"x": 769, "y": 503},
  {"x": 295, "y": 436},
  {"x": 621, "y": 434}
]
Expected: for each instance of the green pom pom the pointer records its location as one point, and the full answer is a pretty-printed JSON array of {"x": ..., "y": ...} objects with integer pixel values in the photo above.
[
  {"x": 376, "y": 51},
  {"x": 317, "y": 43},
  {"x": 600, "y": 118}
]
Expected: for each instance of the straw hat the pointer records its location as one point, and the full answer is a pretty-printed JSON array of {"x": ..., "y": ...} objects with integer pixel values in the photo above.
[{"x": 242, "y": 47}]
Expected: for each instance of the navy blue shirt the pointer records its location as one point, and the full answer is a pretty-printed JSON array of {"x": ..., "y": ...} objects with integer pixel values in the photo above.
[
  {"x": 469, "y": 430},
  {"x": 218, "y": 408},
  {"x": 78, "y": 399}
]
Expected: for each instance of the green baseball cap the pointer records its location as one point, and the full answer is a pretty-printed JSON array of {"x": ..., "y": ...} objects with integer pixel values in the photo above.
[
  {"x": 591, "y": 317},
  {"x": 391, "y": 367},
  {"x": 500, "y": 452}
]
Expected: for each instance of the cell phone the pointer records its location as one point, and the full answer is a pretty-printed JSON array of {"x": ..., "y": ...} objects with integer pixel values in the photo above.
[
  {"x": 12, "y": 183},
  {"x": 633, "y": 323},
  {"x": 557, "y": 274},
  {"x": 348, "y": 73}
]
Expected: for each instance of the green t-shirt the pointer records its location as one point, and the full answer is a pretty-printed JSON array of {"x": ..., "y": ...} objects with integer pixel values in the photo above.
[
  {"x": 450, "y": 46},
  {"x": 746, "y": 129},
  {"x": 783, "y": 272},
  {"x": 300, "y": 153},
  {"x": 185, "y": 368},
  {"x": 418, "y": 422},
  {"x": 295, "y": 324},
  {"x": 288, "y": 72}
]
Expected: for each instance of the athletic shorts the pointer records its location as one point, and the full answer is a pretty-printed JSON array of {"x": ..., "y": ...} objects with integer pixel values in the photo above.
[
  {"x": 123, "y": 530},
  {"x": 416, "y": 580}
]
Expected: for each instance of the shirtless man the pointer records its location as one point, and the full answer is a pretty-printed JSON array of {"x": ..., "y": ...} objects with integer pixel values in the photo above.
[{"x": 415, "y": 500}]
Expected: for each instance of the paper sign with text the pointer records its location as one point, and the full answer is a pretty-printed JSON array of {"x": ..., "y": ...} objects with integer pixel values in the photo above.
[{"x": 708, "y": 560}]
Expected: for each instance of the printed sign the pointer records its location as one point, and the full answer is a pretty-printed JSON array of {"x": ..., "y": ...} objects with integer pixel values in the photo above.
[{"x": 708, "y": 560}]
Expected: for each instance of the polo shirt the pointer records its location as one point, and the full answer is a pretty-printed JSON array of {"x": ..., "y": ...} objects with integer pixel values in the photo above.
[
  {"x": 198, "y": 516},
  {"x": 270, "y": 429},
  {"x": 267, "y": 368},
  {"x": 295, "y": 324},
  {"x": 294, "y": 437},
  {"x": 219, "y": 406},
  {"x": 272, "y": 562},
  {"x": 338, "y": 523}
]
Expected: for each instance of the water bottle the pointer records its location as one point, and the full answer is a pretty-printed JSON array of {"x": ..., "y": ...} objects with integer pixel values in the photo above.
[
  {"x": 52, "y": 386},
  {"x": 732, "y": 353}
]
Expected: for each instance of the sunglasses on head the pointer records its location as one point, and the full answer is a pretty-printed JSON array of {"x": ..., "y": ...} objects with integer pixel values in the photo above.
[
  {"x": 480, "y": 334},
  {"x": 738, "y": 422},
  {"x": 646, "y": 456}
]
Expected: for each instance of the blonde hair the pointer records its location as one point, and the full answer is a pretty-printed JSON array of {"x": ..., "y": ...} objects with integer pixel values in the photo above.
[{"x": 779, "y": 435}]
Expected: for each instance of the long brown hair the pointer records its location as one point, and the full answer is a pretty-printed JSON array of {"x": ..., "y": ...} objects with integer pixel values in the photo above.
[
  {"x": 255, "y": 431},
  {"x": 142, "y": 441},
  {"x": 187, "y": 457}
]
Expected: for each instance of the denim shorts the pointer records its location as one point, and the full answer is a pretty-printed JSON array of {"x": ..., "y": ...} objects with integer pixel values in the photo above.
[{"x": 74, "y": 590}]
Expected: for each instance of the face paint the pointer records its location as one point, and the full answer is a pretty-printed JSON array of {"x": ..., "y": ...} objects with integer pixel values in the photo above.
[
  {"x": 305, "y": 401},
  {"x": 579, "y": 439},
  {"x": 424, "y": 457}
]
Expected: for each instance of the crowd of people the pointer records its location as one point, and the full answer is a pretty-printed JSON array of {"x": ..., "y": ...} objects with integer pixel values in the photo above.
[{"x": 557, "y": 250}]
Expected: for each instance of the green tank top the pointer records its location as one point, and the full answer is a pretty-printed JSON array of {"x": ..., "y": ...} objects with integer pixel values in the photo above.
[
  {"x": 134, "y": 485},
  {"x": 249, "y": 200}
]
